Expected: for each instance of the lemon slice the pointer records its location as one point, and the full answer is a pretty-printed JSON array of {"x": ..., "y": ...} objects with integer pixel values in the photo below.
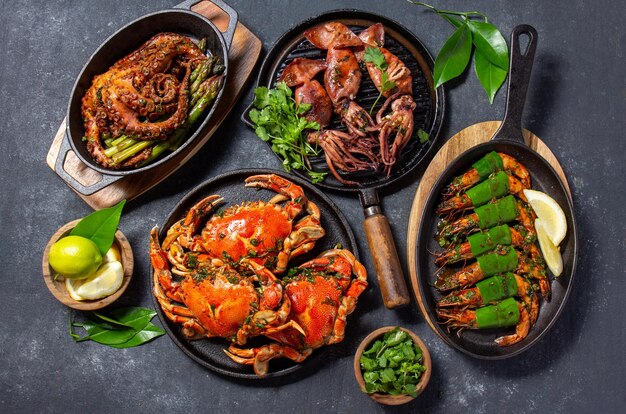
[
  {"x": 550, "y": 252},
  {"x": 112, "y": 255},
  {"x": 104, "y": 282},
  {"x": 71, "y": 285},
  {"x": 551, "y": 215}
]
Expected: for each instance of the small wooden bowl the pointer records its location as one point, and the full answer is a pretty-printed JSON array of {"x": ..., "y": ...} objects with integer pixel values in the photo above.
[
  {"x": 57, "y": 287},
  {"x": 386, "y": 398}
]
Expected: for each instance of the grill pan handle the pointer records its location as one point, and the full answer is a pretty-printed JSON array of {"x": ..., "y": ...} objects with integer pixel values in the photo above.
[
  {"x": 521, "y": 66},
  {"x": 383, "y": 251},
  {"x": 233, "y": 17},
  {"x": 86, "y": 190}
]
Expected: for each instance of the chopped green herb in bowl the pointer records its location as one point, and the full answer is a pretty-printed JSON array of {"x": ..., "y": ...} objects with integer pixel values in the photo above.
[{"x": 392, "y": 365}]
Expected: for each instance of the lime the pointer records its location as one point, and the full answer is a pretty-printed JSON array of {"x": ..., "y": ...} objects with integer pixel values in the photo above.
[
  {"x": 75, "y": 257},
  {"x": 551, "y": 215},
  {"x": 550, "y": 252}
]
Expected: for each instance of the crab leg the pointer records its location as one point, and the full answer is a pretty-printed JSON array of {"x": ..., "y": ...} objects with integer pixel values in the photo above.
[
  {"x": 259, "y": 357},
  {"x": 166, "y": 290}
]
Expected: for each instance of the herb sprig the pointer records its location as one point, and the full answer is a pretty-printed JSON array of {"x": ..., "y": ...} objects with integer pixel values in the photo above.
[
  {"x": 375, "y": 56},
  {"x": 491, "y": 54},
  {"x": 392, "y": 365},
  {"x": 279, "y": 120}
]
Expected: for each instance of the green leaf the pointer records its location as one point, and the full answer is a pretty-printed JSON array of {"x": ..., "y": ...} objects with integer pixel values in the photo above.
[
  {"x": 134, "y": 317},
  {"x": 147, "y": 334},
  {"x": 454, "y": 56},
  {"x": 97, "y": 318},
  {"x": 387, "y": 375},
  {"x": 104, "y": 336},
  {"x": 491, "y": 77},
  {"x": 395, "y": 337},
  {"x": 423, "y": 136},
  {"x": 121, "y": 328},
  {"x": 488, "y": 40},
  {"x": 100, "y": 226},
  {"x": 375, "y": 56},
  {"x": 454, "y": 21}
]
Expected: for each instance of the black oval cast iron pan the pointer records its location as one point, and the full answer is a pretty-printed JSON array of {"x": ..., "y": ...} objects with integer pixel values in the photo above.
[
  {"x": 428, "y": 116},
  {"x": 210, "y": 352},
  {"x": 508, "y": 139},
  {"x": 179, "y": 20}
]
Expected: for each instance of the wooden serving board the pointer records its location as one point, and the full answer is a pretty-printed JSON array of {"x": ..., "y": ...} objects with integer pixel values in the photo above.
[
  {"x": 459, "y": 143},
  {"x": 243, "y": 54}
]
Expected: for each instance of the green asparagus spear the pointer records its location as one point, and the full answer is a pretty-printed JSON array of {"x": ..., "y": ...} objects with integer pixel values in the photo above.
[
  {"x": 203, "y": 102},
  {"x": 131, "y": 151},
  {"x": 114, "y": 149},
  {"x": 202, "y": 44},
  {"x": 196, "y": 72}
]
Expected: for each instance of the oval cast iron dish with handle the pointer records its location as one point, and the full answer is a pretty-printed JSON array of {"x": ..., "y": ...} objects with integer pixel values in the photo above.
[
  {"x": 508, "y": 139},
  {"x": 428, "y": 116},
  {"x": 180, "y": 20},
  {"x": 209, "y": 352}
]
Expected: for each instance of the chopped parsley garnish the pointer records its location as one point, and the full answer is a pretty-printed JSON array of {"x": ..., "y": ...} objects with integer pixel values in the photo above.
[{"x": 375, "y": 56}]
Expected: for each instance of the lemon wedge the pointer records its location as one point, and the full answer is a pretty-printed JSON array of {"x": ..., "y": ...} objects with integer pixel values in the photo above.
[
  {"x": 71, "y": 285},
  {"x": 551, "y": 215},
  {"x": 113, "y": 255},
  {"x": 104, "y": 282},
  {"x": 550, "y": 252}
]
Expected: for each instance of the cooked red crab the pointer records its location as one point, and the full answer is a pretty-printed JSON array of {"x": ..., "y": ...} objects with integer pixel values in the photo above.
[
  {"x": 267, "y": 233},
  {"x": 322, "y": 293},
  {"x": 216, "y": 300}
]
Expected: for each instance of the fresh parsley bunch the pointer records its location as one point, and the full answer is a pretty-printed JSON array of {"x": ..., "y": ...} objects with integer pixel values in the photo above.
[{"x": 279, "y": 120}]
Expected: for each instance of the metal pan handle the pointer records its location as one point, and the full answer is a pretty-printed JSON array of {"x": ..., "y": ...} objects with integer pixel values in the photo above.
[
  {"x": 383, "y": 250},
  {"x": 106, "y": 180},
  {"x": 229, "y": 34},
  {"x": 519, "y": 77}
]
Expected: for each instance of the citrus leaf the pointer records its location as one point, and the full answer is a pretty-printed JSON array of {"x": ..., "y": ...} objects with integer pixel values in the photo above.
[
  {"x": 147, "y": 334},
  {"x": 104, "y": 336},
  {"x": 488, "y": 39},
  {"x": 454, "y": 21},
  {"x": 491, "y": 77},
  {"x": 454, "y": 56},
  {"x": 100, "y": 226},
  {"x": 134, "y": 317}
]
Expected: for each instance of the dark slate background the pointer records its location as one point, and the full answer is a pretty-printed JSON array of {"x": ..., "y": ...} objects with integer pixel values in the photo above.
[{"x": 576, "y": 104}]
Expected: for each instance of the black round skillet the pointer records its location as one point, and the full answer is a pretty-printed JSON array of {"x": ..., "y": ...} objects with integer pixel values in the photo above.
[
  {"x": 210, "y": 352},
  {"x": 508, "y": 139},
  {"x": 428, "y": 116},
  {"x": 180, "y": 20}
]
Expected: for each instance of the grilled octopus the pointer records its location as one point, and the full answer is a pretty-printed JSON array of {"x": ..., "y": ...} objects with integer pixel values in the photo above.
[{"x": 143, "y": 95}]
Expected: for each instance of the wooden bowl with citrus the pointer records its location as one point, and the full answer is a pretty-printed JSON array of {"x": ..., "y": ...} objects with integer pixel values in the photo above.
[{"x": 56, "y": 284}]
